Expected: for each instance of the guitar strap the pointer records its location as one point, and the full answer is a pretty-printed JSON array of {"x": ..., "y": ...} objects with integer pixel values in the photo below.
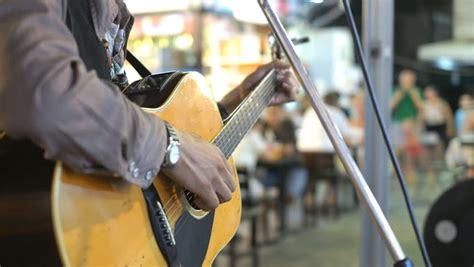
[{"x": 137, "y": 65}]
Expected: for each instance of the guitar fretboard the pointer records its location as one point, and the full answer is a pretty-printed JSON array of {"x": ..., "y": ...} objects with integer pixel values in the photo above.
[{"x": 246, "y": 115}]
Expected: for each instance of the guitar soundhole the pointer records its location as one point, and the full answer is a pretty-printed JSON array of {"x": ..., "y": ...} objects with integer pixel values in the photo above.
[
  {"x": 192, "y": 208},
  {"x": 190, "y": 198}
]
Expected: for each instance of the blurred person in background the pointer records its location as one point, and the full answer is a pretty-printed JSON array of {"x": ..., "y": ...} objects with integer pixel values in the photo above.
[
  {"x": 465, "y": 101},
  {"x": 460, "y": 151},
  {"x": 413, "y": 151},
  {"x": 406, "y": 103},
  {"x": 437, "y": 116},
  {"x": 246, "y": 156},
  {"x": 357, "y": 123},
  {"x": 357, "y": 113},
  {"x": 312, "y": 139},
  {"x": 279, "y": 133}
]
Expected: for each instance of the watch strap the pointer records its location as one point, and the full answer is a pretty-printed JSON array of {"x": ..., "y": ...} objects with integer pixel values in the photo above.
[
  {"x": 172, "y": 134},
  {"x": 173, "y": 140}
]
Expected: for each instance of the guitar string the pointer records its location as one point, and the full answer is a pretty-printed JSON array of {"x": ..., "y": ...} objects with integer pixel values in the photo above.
[
  {"x": 263, "y": 97},
  {"x": 170, "y": 212},
  {"x": 228, "y": 146},
  {"x": 252, "y": 116},
  {"x": 248, "y": 121},
  {"x": 251, "y": 120},
  {"x": 169, "y": 201},
  {"x": 169, "y": 208},
  {"x": 175, "y": 208}
]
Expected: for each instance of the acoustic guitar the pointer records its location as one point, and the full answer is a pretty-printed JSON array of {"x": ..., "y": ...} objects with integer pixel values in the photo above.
[{"x": 105, "y": 221}]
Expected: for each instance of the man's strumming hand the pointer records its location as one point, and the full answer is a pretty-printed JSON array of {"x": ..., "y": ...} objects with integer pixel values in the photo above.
[{"x": 203, "y": 170}]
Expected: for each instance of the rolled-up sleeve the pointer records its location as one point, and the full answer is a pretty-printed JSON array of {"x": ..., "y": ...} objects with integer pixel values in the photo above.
[{"x": 47, "y": 95}]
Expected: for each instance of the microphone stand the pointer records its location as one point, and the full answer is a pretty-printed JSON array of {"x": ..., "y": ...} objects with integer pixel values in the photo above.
[{"x": 363, "y": 191}]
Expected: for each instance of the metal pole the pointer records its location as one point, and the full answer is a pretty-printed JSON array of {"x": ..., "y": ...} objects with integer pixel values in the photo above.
[
  {"x": 363, "y": 191},
  {"x": 377, "y": 26}
]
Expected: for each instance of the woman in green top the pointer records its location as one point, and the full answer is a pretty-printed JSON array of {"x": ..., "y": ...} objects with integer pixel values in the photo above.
[
  {"x": 406, "y": 104},
  {"x": 407, "y": 98}
]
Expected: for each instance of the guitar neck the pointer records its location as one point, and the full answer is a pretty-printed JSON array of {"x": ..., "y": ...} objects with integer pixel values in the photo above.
[{"x": 246, "y": 115}]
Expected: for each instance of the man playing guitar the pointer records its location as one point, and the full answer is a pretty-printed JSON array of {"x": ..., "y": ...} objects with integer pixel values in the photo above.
[{"x": 62, "y": 71}]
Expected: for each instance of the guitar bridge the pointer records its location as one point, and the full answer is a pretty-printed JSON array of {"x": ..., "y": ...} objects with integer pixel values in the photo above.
[
  {"x": 164, "y": 225},
  {"x": 161, "y": 227}
]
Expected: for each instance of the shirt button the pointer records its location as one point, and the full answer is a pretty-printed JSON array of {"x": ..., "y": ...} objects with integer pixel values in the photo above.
[
  {"x": 135, "y": 173},
  {"x": 131, "y": 166},
  {"x": 150, "y": 175}
]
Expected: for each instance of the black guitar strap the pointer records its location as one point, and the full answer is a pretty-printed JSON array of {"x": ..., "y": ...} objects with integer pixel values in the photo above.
[{"x": 137, "y": 65}]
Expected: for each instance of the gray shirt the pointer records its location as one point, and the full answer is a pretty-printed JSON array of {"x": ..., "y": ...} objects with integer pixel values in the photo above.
[{"x": 48, "y": 96}]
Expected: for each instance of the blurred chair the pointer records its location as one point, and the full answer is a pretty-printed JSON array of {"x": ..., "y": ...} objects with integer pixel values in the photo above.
[
  {"x": 321, "y": 167},
  {"x": 251, "y": 210}
]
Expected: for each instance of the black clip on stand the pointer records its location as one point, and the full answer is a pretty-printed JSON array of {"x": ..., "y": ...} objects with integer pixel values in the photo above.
[{"x": 363, "y": 190}]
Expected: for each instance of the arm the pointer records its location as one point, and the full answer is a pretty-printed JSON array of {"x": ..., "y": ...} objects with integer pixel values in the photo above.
[
  {"x": 415, "y": 96},
  {"x": 397, "y": 97},
  {"x": 47, "y": 95},
  {"x": 449, "y": 120}
]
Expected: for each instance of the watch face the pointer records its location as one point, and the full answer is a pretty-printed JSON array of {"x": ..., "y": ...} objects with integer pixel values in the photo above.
[{"x": 174, "y": 154}]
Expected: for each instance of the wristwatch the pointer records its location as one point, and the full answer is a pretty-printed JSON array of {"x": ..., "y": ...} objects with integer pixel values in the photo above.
[{"x": 172, "y": 153}]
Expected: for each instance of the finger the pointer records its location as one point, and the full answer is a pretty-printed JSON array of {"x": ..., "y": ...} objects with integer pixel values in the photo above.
[
  {"x": 290, "y": 89},
  {"x": 285, "y": 89},
  {"x": 208, "y": 202},
  {"x": 229, "y": 180},
  {"x": 280, "y": 64},
  {"x": 224, "y": 162},
  {"x": 265, "y": 68},
  {"x": 228, "y": 175},
  {"x": 279, "y": 98},
  {"x": 288, "y": 84},
  {"x": 283, "y": 72},
  {"x": 201, "y": 204},
  {"x": 222, "y": 190},
  {"x": 286, "y": 76}
]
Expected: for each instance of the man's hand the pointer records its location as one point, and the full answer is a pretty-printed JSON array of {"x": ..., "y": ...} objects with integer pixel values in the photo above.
[
  {"x": 203, "y": 170},
  {"x": 286, "y": 92}
]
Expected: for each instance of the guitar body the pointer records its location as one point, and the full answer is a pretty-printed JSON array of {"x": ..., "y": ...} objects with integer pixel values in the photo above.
[{"x": 104, "y": 221}]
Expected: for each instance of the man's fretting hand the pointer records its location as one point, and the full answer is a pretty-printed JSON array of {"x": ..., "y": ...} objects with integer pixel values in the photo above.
[{"x": 286, "y": 92}]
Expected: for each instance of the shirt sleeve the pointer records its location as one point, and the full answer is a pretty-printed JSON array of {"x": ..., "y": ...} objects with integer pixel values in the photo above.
[{"x": 47, "y": 95}]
